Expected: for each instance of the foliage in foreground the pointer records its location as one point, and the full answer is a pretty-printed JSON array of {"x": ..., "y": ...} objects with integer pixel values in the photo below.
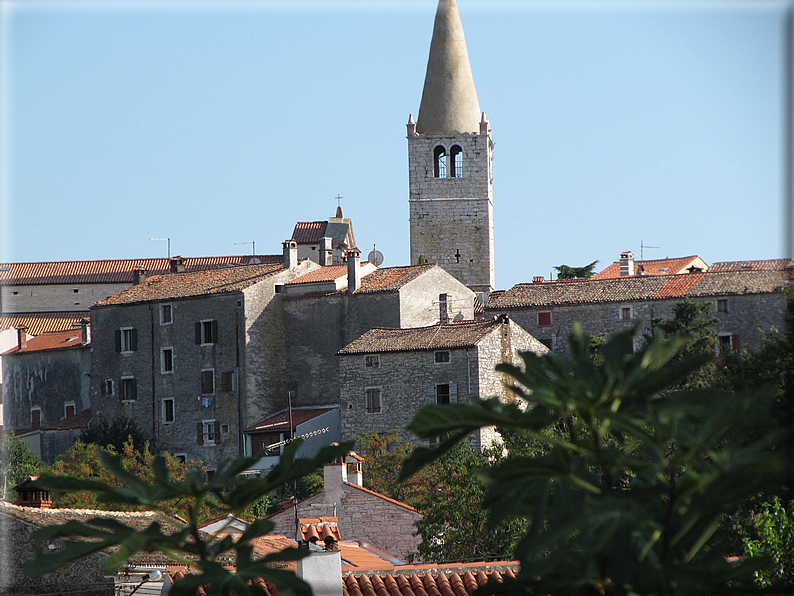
[
  {"x": 187, "y": 545},
  {"x": 18, "y": 462},
  {"x": 628, "y": 500}
]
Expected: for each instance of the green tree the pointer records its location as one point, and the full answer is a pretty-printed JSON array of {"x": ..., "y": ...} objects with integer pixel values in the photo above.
[
  {"x": 566, "y": 272},
  {"x": 18, "y": 462},
  {"x": 233, "y": 491},
  {"x": 775, "y": 530},
  {"x": 627, "y": 497},
  {"x": 115, "y": 433}
]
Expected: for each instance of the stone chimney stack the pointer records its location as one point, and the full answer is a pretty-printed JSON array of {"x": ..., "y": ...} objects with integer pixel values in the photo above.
[
  {"x": 353, "y": 270},
  {"x": 139, "y": 275},
  {"x": 22, "y": 337},
  {"x": 85, "y": 328},
  {"x": 334, "y": 475},
  {"x": 626, "y": 264},
  {"x": 290, "y": 254},
  {"x": 177, "y": 265},
  {"x": 326, "y": 251}
]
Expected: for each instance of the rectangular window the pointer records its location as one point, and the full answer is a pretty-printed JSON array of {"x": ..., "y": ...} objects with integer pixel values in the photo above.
[
  {"x": 126, "y": 339},
  {"x": 442, "y": 394},
  {"x": 168, "y": 410},
  {"x": 442, "y": 357},
  {"x": 167, "y": 360},
  {"x": 373, "y": 400},
  {"x": 224, "y": 430},
  {"x": 445, "y": 393},
  {"x": 544, "y": 319},
  {"x": 728, "y": 344},
  {"x": 129, "y": 389},
  {"x": 372, "y": 361},
  {"x": 106, "y": 388},
  {"x": 35, "y": 417},
  {"x": 722, "y": 305},
  {"x": 208, "y": 432},
  {"x": 207, "y": 382},
  {"x": 207, "y": 332},
  {"x": 227, "y": 381},
  {"x": 625, "y": 313},
  {"x": 181, "y": 458},
  {"x": 68, "y": 410},
  {"x": 75, "y": 291},
  {"x": 166, "y": 314}
]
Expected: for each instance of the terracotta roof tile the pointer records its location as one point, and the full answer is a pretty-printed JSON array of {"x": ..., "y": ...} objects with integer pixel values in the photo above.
[
  {"x": 198, "y": 283},
  {"x": 38, "y": 323},
  {"x": 77, "y": 422},
  {"x": 650, "y": 267},
  {"x": 52, "y": 340},
  {"x": 451, "y": 335},
  {"x": 309, "y": 232},
  {"x": 280, "y": 420},
  {"x": 327, "y": 273},
  {"x": 769, "y": 265},
  {"x": 113, "y": 270},
  {"x": 677, "y": 286},
  {"x": 391, "y": 278}
]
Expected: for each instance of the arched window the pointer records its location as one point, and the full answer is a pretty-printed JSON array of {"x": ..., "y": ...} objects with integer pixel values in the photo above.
[
  {"x": 456, "y": 162},
  {"x": 440, "y": 162}
]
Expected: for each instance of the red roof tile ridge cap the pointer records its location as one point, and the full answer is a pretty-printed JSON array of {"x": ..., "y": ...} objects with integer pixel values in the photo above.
[{"x": 384, "y": 497}]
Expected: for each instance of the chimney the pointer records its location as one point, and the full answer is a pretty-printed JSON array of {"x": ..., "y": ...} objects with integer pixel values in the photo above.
[
  {"x": 353, "y": 270},
  {"x": 22, "y": 337},
  {"x": 85, "y": 328},
  {"x": 326, "y": 251},
  {"x": 323, "y": 572},
  {"x": 334, "y": 475},
  {"x": 626, "y": 264},
  {"x": 355, "y": 475},
  {"x": 138, "y": 275},
  {"x": 177, "y": 265},
  {"x": 538, "y": 279},
  {"x": 290, "y": 248}
]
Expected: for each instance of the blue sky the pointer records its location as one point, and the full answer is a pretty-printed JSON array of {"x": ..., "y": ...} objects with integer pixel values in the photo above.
[{"x": 615, "y": 124}]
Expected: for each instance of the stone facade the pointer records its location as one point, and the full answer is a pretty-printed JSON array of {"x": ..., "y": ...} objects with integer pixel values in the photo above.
[{"x": 410, "y": 368}]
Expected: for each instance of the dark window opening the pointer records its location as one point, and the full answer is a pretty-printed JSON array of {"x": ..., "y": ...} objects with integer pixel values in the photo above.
[
  {"x": 722, "y": 305},
  {"x": 227, "y": 381},
  {"x": 442, "y": 394},
  {"x": 207, "y": 332},
  {"x": 440, "y": 162},
  {"x": 456, "y": 162},
  {"x": 544, "y": 319},
  {"x": 168, "y": 360},
  {"x": 35, "y": 418},
  {"x": 442, "y": 357},
  {"x": 443, "y": 308},
  {"x": 129, "y": 389},
  {"x": 69, "y": 411},
  {"x": 372, "y": 361},
  {"x": 207, "y": 382},
  {"x": 165, "y": 314},
  {"x": 168, "y": 410}
]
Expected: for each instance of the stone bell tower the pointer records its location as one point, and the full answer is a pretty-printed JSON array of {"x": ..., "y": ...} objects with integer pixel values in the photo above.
[{"x": 449, "y": 162}]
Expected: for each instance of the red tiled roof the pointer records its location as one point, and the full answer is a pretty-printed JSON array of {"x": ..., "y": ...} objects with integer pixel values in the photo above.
[
  {"x": 462, "y": 334},
  {"x": 280, "y": 420},
  {"x": 391, "y": 278},
  {"x": 198, "y": 283},
  {"x": 651, "y": 267},
  {"x": 77, "y": 422},
  {"x": 38, "y": 323},
  {"x": 318, "y": 529},
  {"x": 677, "y": 286},
  {"x": 52, "y": 340},
  {"x": 113, "y": 270},
  {"x": 309, "y": 232},
  {"x": 327, "y": 273},
  {"x": 428, "y": 584},
  {"x": 769, "y": 265}
]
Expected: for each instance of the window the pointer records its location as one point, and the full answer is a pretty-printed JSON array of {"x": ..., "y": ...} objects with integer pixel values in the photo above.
[
  {"x": 263, "y": 444},
  {"x": 208, "y": 431},
  {"x": 373, "y": 400},
  {"x": 181, "y": 458},
  {"x": 168, "y": 410},
  {"x": 209, "y": 474},
  {"x": 446, "y": 393},
  {"x": 456, "y": 162},
  {"x": 625, "y": 313},
  {"x": 722, "y": 305},
  {"x": 35, "y": 417},
  {"x": 728, "y": 343},
  {"x": 544, "y": 319},
  {"x": 68, "y": 409},
  {"x": 166, "y": 314},
  {"x": 75, "y": 291},
  {"x": 167, "y": 360},
  {"x": 440, "y": 162},
  {"x": 126, "y": 339},
  {"x": 206, "y": 332},
  {"x": 372, "y": 361},
  {"x": 207, "y": 382},
  {"x": 106, "y": 388},
  {"x": 442, "y": 357},
  {"x": 227, "y": 381},
  {"x": 129, "y": 389},
  {"x": 224, "y": 430},
  {"x": 443, "y": 308}
]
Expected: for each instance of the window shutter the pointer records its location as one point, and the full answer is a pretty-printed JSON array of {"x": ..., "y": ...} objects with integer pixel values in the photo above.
[
  {"x": 134, "y": 339},
  {"x": 198, "y": 333},
  {"x": 431, "y": 394},
  {"x": 453, "y": 393},
  {"x": 118, "y": 340},
  {"x": 200, "y": 433},
  {"x": 217, "y": 431},
  {"x": 735, "y": 342},
  {"x": 215, "y": 332},
  {"x": 134, "y": 388}
]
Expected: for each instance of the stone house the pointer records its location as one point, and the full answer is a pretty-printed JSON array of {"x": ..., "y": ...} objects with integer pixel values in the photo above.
[
  {"x": 387, "y": 375},
  {"x": 194, "y": 357},
  {"x": 320, "y": 320},
  {"x": 360, "y": 513},
  {"x": 46, "y": 380},
  {"x": 325, "y": 242},
  {"x": 746, "y": 297}
]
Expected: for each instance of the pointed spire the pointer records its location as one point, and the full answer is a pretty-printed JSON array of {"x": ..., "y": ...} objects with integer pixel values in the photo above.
[{"x": 449, "y": 99}]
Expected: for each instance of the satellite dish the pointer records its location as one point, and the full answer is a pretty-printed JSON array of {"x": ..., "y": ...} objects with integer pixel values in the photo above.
[{"x": 375, "y": 257}]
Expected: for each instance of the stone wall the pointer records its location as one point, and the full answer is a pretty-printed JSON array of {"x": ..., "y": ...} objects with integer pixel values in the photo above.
[
  {"x": 419, "y": 299},
  {"x": 56, "y": 297}
]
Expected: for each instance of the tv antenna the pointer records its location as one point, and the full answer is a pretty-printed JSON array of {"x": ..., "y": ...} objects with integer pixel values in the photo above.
[
  {"x": 169, "y": 244},
  {"x": 253, "y": 246},
  {"x": 375, "y": 257},
  {"x": 642, "y": 249}
]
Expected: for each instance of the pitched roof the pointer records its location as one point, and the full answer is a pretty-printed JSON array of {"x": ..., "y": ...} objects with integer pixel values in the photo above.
[
  {"x": 198, "y": 283},
  {"x": 280, "y": 420},
  {"x": 52, "y": 340},
  {"x": 327, "y": 273},
  {"x": 309, "y": 232},
  {"x": 317, "y": 529},
  {"x": 462, "y": 334},
  {"x": 651, "y": 267},
  {"x": 112, "y": 270},
  {"x": 391, "y": 278},
  {"x": 623, "y": 289},
  {"x": 77, "y": 422},
  {"x": 427, "y": 584},
  {"x": 38, "y": 323},
  {"x": 769, "y": 265}
]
